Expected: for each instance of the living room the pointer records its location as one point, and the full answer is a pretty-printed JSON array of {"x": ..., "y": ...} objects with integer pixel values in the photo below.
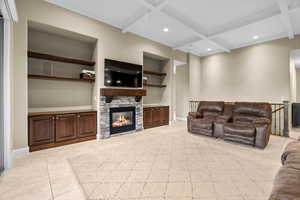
[{"x": 150, "y": 99}]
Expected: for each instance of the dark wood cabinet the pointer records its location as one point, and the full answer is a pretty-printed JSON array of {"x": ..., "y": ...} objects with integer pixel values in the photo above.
[
  {"x": 59, "y": 128},
  {"x": 164, "y": 116},
  {"x": 41, "y": 130},
  {"x": 147, "y": 116},
  {"x": 156, "y": 116},
  {"x": 65, "y": 127},
  {"x": 87, "y": 125}
]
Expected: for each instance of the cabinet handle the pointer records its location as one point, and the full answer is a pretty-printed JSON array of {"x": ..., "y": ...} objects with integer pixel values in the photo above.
[
  {"x": 57, "y": 117},
  {"x": 78, "y": 116},
  {"x": 53, "y": 118}
]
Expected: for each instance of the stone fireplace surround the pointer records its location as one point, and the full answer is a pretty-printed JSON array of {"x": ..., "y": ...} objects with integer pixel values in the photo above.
[{"x": 118, "y": 101}]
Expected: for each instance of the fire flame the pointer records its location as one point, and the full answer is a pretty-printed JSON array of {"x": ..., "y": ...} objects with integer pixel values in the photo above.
[{"x": 121, "y": 121}]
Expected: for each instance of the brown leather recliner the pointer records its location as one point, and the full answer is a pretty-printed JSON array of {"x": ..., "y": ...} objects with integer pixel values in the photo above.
[
  {"x": 287, "y": 181},
  {"x": 202, "y": 121},
  {"x": 251, "y": 124},
  {"x": 223, "y": 119}
]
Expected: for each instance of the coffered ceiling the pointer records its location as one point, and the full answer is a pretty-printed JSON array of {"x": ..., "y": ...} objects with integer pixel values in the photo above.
[{"x": 202, "y": 27}]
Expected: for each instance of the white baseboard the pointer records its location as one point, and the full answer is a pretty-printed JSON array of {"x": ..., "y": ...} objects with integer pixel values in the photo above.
[
  {"x": 98, "y": 136},
  {"x": 20, "y": 152},
  {"x": 181, "y": 118}
]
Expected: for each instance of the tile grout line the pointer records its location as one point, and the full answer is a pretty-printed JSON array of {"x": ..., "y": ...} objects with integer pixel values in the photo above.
[{"x": 49, "y": 180}]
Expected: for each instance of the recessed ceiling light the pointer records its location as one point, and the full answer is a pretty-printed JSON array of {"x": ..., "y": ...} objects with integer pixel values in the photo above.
[
  {"x": 255, "y": 37},
  {"x": 166, "y": 29},
  {"x": 209, "y": 49}
]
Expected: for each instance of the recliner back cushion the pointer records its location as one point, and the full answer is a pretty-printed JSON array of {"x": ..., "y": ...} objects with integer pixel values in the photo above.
[
  {"x": 208, "y": 114},
  {"x": 253, "y": 109},
  {"x": 209, "y": 107},
  {"x": 242, "y": 118}
]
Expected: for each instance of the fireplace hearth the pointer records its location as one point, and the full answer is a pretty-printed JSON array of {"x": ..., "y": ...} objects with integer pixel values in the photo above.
[{"x": 122, "y": 119}]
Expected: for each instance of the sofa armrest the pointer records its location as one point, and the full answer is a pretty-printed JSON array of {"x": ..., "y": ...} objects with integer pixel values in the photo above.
[
  {"x": 194, "y": 114},
  {"x": 223, "y": 118},
  {"x": 263, "y": 132},
  {"x": 262, "y": 120}
]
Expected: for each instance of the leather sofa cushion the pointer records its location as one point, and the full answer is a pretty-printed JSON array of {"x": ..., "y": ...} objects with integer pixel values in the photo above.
[
  {"x": 261, "y": 120},
  {"x": 242, "y": 118},
  {"x": 211, "y": 106},
  {"x": 286, "y": 185},
  {"x": 240, "y": 139},
  {"x": 255, "y": 109},
  {"x": 239, "y": 130},
  {"x": 223, "y": 119},
  {"x": 203, "y": 123},
  {"x": 201, "y": 131},
  {"x": 211, "y": 115},
  {"x": 291, "y": 155},
  {"x": 194, "y": 114}
]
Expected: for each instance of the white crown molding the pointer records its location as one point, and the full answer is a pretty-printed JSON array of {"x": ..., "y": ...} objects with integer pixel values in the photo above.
[{"x": 9, "y": 10}]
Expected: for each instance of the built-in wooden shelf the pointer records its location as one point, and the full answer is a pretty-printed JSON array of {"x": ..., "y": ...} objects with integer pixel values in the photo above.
[
  {"x": 58, "y": 78},
  {"x": 154, "y": 73},
  {"x": 154, "y": 85},
  {"x": 44, "y": 56}
]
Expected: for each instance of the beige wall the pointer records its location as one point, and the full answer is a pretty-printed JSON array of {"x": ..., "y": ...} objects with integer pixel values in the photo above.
[
  {"x": 154, "y": 94},
  {"x": 195, "y": 76},
  {"x": 50, "y": 93},
  {"x": 255, "y": 73},
  {"x": 182, "y": 91},
  {"x": 112, "y": 43},
  {"x": 45, "y": 93}
]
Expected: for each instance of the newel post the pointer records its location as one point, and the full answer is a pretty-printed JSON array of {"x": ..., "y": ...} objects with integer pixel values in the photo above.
[{"x": 286, "y": 119}]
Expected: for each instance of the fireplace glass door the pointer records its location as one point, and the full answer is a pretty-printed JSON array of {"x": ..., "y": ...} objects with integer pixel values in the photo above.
[{"x": 122, "y": 119}]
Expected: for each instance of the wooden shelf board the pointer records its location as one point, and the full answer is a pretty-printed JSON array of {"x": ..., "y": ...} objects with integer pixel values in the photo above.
[
  {"x": 154, "y": 73},
  {"x": 44, "y": 56},
  {"x": 58, "y": 78},
  {"x": 154, "y": 85}
]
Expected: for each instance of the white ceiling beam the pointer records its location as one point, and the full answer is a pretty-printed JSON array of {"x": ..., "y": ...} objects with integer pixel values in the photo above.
[
  {"x": 283, "y": 5},
  {"x": 200, "y": 35},
  {"x": 151, "y": 8},
  {"x": 159, "y": 7},
  {"x": 244, "y": 26}
]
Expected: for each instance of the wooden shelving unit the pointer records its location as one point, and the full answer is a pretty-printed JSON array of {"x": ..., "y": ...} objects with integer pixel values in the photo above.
[
  {"x": 58, "y": 78},
  {"x": 154, "y": 85},
  {"x": 32, "y": 54},
  {"x": 154, "y": 73}
]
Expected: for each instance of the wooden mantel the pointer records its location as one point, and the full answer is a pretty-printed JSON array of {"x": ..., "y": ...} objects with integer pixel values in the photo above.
[{"x": 109, "y": 93}]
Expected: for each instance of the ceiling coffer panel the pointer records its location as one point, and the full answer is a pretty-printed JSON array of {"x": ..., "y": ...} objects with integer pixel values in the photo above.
[{"x": 203, "y": 27}]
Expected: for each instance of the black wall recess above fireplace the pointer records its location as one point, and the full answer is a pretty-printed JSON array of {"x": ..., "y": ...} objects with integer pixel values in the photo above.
[{"x": 122, "y": 119}]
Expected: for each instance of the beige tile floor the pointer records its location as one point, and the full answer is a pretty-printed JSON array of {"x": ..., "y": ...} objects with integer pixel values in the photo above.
[{"x": 160, "y": 163}]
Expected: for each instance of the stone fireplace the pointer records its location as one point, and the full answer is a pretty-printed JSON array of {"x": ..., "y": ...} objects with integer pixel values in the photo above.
[{"x": 120, "y": 114}]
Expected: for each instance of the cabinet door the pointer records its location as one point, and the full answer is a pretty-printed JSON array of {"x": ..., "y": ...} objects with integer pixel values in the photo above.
[
  {"x": 65, "y": 127},
  {"x": 87, "y": 124},
  {"x": 147, "y": 116},
  {"x": 165, "y": 116},
  {"x": 41, "y": 130},
  {"x": 156, "y": 116}
]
